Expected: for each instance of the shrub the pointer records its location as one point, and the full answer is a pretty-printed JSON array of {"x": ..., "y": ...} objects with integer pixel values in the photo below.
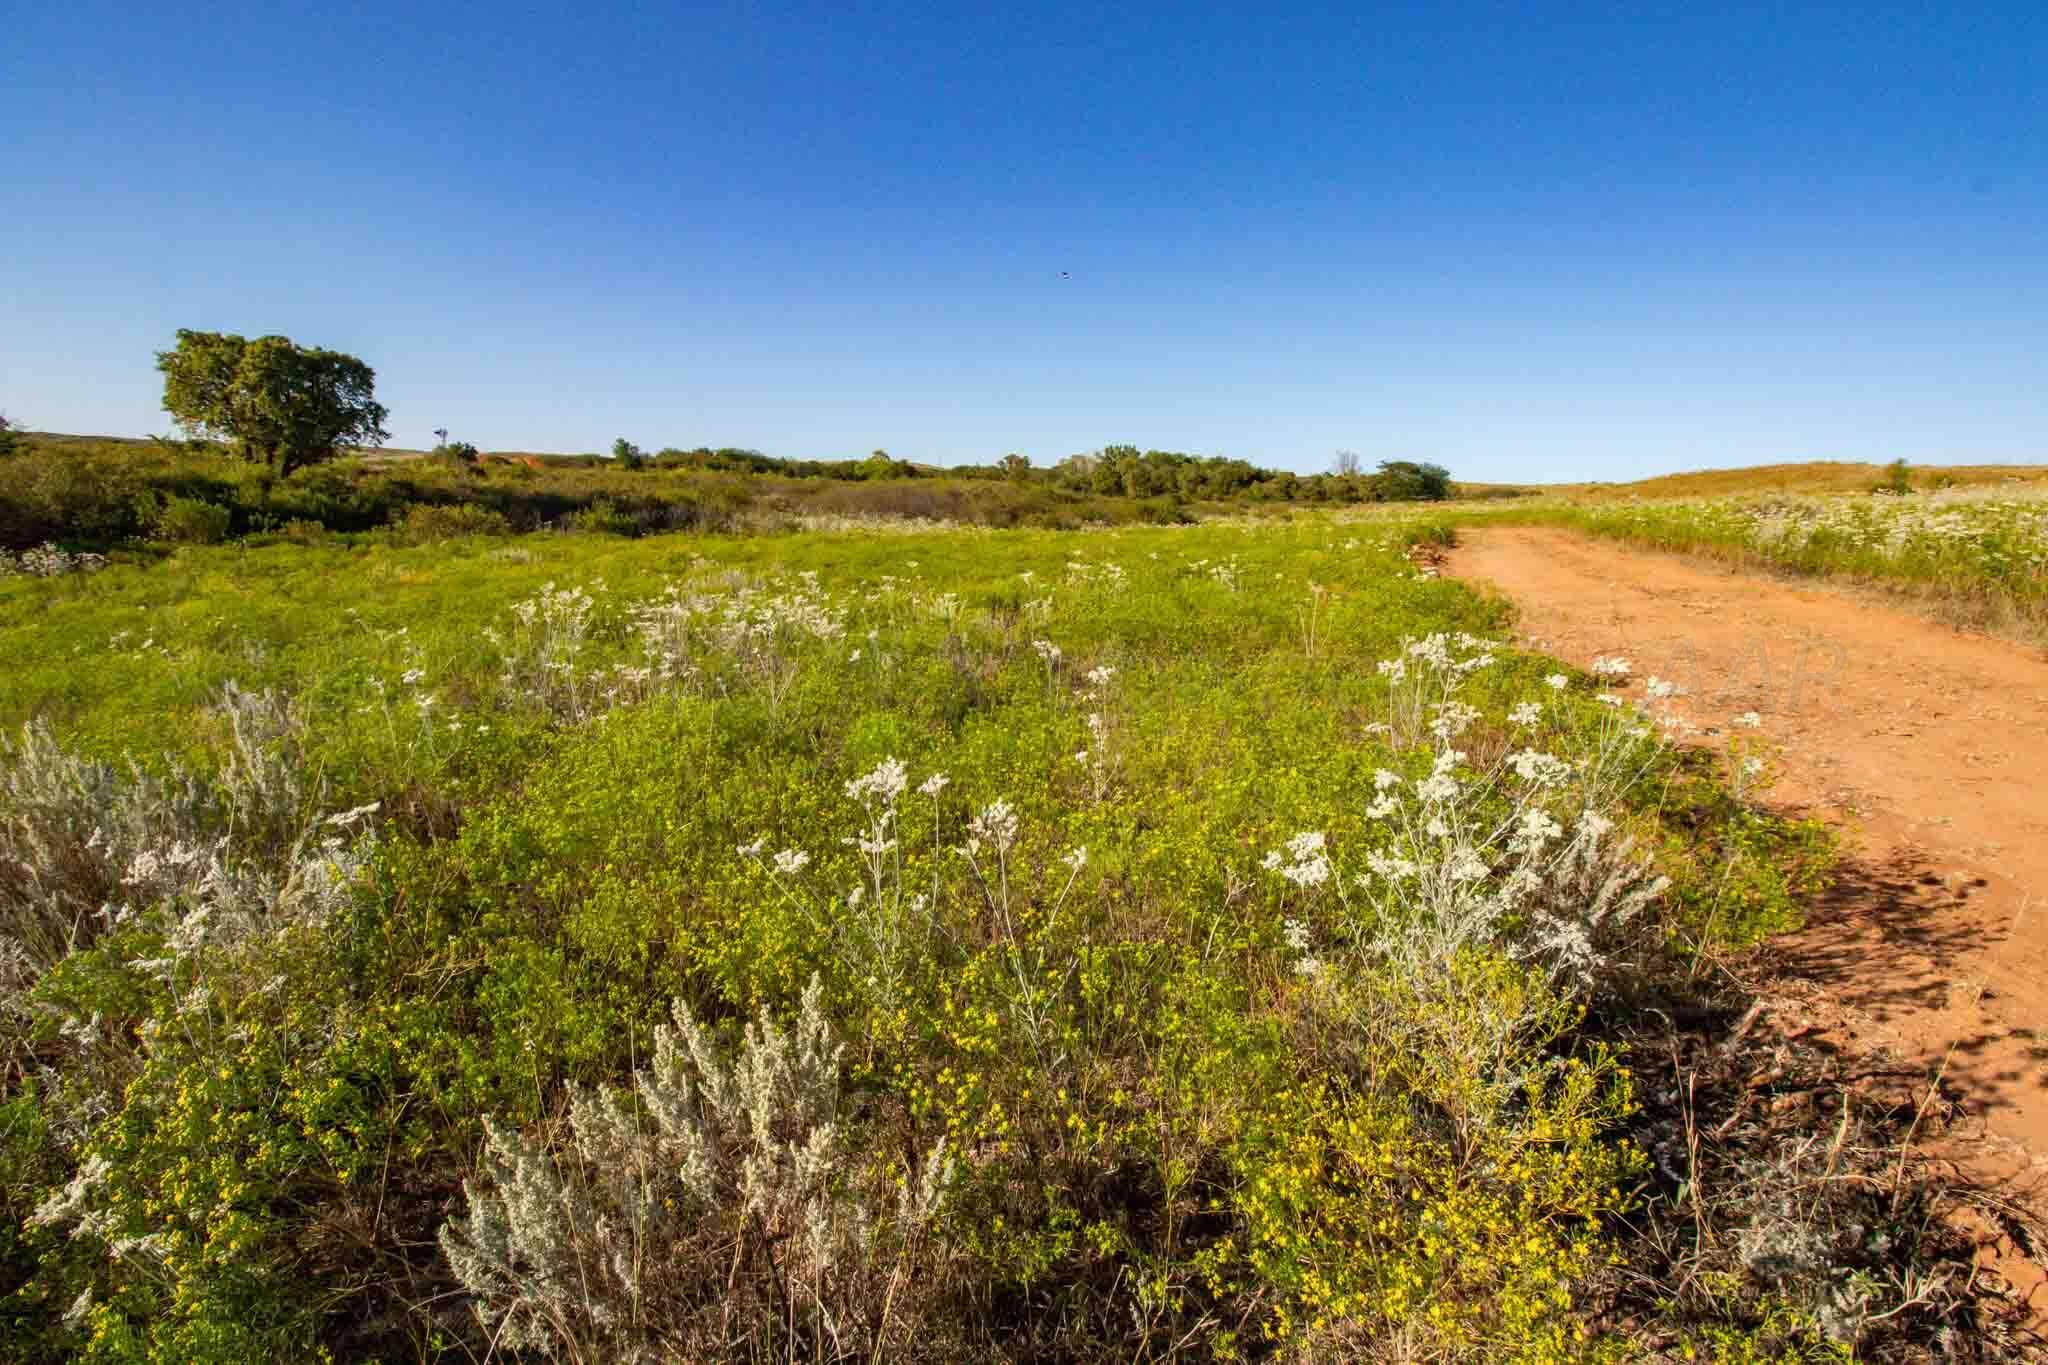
[
  {"x": 189, "y": 521},
  {"x": 425, "y": 523},
  {"x": 617, "y": 1249},
  {"x": 85, "y": 494},
  {"x": 605, "y": 517},
  {"x": 299, "y": 531}
]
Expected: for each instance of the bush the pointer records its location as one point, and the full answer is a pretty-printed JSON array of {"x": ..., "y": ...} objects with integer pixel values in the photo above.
[
  {"x": 617, "y": 1249},
  {"x": 302, "y": 532},
  {"x": 87, "y": 494},
  {"x": 604, "y": 517},
  {"x": 429, "y": 522},
  {"x": 189, "y": 521}
]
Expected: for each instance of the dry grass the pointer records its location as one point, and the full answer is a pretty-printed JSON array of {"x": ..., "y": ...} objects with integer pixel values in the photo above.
[{"x": 1814, "y": 476}]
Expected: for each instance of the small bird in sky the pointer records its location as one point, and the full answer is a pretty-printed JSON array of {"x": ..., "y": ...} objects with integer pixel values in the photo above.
[{"x": 1065, "y": 276}]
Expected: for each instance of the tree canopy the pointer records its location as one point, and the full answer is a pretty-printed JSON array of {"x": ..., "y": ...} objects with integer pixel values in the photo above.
[{"x": 272, "y": 400}]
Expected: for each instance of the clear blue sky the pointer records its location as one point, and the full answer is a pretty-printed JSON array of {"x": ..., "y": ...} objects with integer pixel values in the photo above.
[{"x": 1535, "y": 241}]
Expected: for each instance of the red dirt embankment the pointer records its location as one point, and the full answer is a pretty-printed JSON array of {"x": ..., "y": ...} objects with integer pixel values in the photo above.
[{"x": 1926, "y": 746}]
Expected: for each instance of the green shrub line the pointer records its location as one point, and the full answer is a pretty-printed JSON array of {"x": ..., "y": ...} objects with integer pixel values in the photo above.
[{"x": 98, "y": 495}]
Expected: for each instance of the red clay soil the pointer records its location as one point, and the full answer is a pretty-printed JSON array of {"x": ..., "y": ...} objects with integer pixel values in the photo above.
[{"x": 1928, "y": 748}]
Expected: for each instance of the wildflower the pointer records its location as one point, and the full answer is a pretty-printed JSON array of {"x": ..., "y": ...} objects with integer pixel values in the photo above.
[
  {"x": 1467, "y": 866},
  {"x": 753, "y": 850},
  {"x": 1075, "y": 858},
  {"x": 1100, "y": 675},
  {"x": 1662, "y": 688},
  {"x": 1532, "y": 765},
  {"x": 1437, "y": 787},
  {"x": 1538, "y": 828},
  {"x": 791, "y": 861},
  {"x": 887, "y": 781},
  {"x": 1749, "y": 720},
  {"x": 1612, "y": 667},
  {"x": 349, "y": 817},
  {"x": 1525, "y": 714},
  {"x": 933, "y": 785},
  {"x": 1303, "y": 862},
  {"x": 1383, "y": 779},
  {"x": 1452, "y": 719},
  {"x": 997, "y": 823},
  {"x": 1391, "y": 867},
  {"x": 1557, "y": 682}
]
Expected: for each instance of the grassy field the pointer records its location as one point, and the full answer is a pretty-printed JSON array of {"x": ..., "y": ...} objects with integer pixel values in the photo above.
[
  {"x": 1162, "y": 943},
  {"x": 1972, "y": 554}
]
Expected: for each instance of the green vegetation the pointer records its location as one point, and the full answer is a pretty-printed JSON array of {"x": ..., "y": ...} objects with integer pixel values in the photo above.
[
  {"x": 909, "y": 943},
  {"x": 1977, "y": 554},
  {"x": 282, "y": 404},
  {"x": 101, "y": 494}
]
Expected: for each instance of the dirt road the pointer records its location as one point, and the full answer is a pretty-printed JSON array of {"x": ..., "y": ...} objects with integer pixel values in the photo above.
[{"x": 1927, "y": 746}]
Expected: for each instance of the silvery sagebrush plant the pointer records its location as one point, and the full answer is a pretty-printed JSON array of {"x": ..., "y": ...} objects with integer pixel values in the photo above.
[
  {"x": 208, "y": 865},
  {"x": 1021, "y": 927},
  {"x": 882, "y": 927},
  {"x": 1102, "y": 756},
  {"x": 542, "y": 649},
  {"x": 886, "y": 929},
  {"x": 1516, "y": 861},
  {"x": 718, "y": 1207},
  {"x": 694, "y": 639}
]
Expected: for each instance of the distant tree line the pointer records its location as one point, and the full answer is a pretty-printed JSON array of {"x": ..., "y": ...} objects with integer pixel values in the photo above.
[
  {"x": 1114, "y": 471},
  {"x": 276, "y": 403}
]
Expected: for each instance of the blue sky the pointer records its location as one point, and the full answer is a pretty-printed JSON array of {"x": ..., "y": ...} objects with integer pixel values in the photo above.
[{"x": 1527, "y": 241}]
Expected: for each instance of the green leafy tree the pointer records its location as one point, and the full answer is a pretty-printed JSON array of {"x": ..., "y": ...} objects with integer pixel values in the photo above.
[
  {"x": 1407, "y": 481},
  {"x": 276, "y": 402},
  {"x": 626, "y": 455},
  {"x": 1016, "y": 468},
  {"x": 10, "y": 437}
]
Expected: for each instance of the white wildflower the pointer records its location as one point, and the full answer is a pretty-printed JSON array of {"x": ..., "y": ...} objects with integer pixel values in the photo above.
[
  {"x": 887, "y": 782},
  {"x": 997, "y": 823}
]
